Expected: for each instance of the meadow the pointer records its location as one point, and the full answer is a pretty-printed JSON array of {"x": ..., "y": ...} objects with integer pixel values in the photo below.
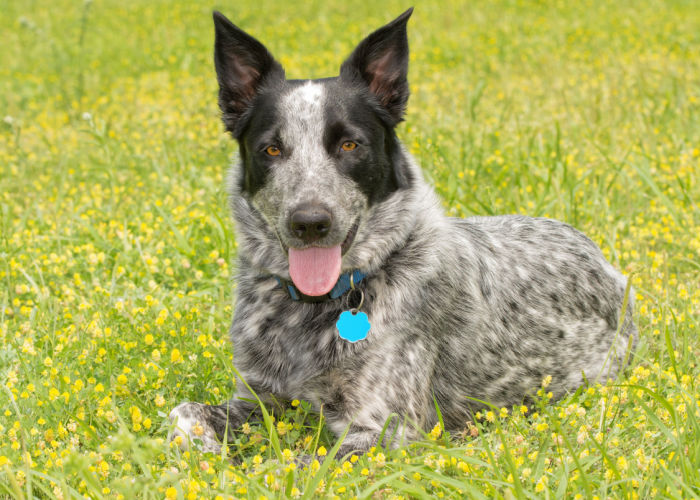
[{"x": 117, "y": 251}]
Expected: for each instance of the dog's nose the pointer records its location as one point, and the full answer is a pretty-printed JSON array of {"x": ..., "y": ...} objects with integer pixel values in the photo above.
[{"x": 310, "y": 222}]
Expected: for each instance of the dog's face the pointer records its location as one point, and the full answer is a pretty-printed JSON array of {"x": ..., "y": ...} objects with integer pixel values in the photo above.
[{"x": 316, "y": 155}]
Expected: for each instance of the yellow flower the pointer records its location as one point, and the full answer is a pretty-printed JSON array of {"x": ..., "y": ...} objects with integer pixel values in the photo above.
[
  {"x": 542, "y": 426},
  {"x": 175, "y": 356},
  {"x": 198, "y": 429},
  {"x": 321, "y": 452},
  {"x": 136, "y": 417},
  {"x": 539, "y": 487}
]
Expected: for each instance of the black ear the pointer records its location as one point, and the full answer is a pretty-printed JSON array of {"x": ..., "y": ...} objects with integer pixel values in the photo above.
[
  {"x": 381, "y": 62},
  {"x": 243, "y": 65}
]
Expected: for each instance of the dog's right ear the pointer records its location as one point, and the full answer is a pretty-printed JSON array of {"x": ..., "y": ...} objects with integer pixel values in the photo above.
[{"x": 243, "y": 64}]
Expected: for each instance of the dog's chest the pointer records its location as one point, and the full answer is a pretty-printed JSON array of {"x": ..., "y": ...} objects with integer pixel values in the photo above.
[{"x": 279, "y": 345}]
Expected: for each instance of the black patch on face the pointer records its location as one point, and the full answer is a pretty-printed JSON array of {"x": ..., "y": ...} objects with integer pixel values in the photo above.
[
  {"x": 260, "y": 128},
  {"x": 377, "y": 165}
]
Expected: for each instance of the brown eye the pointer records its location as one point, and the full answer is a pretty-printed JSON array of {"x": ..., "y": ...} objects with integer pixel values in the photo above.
[
  {"x": 273, "y": 151},
  {"x": 348, "y": 146}
]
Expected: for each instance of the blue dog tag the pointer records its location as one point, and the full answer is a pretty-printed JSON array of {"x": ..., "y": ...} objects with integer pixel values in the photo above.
[{"x": 353, "y": 327}]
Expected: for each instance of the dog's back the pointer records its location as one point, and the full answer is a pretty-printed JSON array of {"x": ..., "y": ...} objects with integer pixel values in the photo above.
[{"x": 538, "y": 298}]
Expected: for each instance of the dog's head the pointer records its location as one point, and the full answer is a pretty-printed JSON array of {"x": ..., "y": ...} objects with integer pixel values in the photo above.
[{"x": 316, "y": 156}]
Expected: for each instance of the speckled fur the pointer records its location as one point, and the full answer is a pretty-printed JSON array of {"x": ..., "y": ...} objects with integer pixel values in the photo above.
[{"x": 461, "y": 309}]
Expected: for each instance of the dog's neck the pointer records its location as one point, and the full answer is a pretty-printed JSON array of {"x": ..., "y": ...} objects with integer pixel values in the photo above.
[{"x": 345, "y": 283}]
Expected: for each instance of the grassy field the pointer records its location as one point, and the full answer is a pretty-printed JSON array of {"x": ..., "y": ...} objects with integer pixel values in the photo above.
[{"x": 116, "y": 247}]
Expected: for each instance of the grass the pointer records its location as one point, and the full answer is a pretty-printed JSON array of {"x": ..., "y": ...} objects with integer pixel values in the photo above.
[{"x": 116, "y": 244}]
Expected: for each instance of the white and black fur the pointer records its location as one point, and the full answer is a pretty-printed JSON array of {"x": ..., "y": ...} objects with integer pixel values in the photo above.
[{"x": 461, "y": 309}]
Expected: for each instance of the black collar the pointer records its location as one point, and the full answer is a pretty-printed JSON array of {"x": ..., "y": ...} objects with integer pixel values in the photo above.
[{"x": 341, "y": 288}]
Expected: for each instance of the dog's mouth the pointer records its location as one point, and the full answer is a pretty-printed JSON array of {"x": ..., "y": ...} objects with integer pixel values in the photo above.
[
  {"x": 315, "y": 270},
  {"x": 350, "y": 237}
]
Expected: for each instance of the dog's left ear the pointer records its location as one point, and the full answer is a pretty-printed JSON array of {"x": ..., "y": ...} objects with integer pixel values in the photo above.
[{"x": 381, "y": 62}]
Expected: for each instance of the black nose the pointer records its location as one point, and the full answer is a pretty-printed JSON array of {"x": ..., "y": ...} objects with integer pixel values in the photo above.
[{"x": 310, "y": 222}]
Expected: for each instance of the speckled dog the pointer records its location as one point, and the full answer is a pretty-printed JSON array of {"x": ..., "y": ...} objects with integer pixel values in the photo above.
[{"x": 326, "y": 199}]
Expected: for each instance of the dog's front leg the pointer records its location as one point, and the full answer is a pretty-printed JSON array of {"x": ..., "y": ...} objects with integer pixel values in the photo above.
[
  {"x": 364, "y": 433},
  {"x": 210, "y": 424},
  {"x": 358, "y": 441},
  {"x": 385, "y": 404}
]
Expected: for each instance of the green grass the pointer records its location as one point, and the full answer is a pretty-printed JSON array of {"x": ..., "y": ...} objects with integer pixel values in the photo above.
[{"x": 116, "y": 243}]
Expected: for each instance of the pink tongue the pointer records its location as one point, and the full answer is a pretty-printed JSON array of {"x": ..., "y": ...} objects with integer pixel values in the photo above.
[{"x": 315, "y": 270}]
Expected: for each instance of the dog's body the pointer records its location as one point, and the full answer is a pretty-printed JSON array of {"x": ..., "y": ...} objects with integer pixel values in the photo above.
[{"x": 460, "y": 309}]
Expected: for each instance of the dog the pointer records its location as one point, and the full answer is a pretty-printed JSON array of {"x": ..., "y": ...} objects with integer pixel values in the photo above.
[{"x": 335, "y": 220}]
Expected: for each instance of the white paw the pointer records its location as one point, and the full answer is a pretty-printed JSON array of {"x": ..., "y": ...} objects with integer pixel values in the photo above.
[{"x": 191, "y": 428}]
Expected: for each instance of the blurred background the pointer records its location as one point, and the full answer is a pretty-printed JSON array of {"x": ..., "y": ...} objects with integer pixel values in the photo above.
[{"x": 117, "y": 251}]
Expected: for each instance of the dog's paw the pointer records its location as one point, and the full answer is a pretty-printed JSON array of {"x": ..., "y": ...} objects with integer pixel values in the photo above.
[{"x": 190, "y": 428}]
